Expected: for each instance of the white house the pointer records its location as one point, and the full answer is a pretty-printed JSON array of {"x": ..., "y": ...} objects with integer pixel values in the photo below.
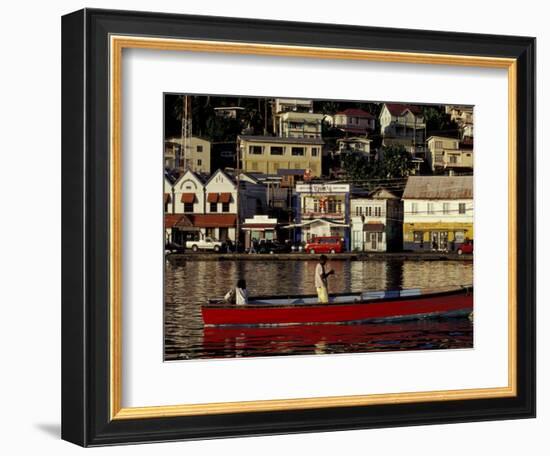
[
  {"x": 299, "y": 125},
  {"x": 188, "y": 194},
  {"x": 355, "y": 121},
  {"x": 376, "y": 221},
  {"x": 403, "y": 125},
  {"x": 355, "y": 144}
]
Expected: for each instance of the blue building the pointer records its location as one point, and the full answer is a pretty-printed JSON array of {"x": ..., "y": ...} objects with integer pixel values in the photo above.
[{"x": 322, "y": 209}]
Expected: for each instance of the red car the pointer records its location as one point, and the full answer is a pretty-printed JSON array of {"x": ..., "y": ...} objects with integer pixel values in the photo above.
[
  {"x": 466, "y": 247},
  {"x": 325, "y": 244}
]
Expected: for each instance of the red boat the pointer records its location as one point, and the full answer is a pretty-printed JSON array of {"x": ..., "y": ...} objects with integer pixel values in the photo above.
[{"x": 369, "y": 306}]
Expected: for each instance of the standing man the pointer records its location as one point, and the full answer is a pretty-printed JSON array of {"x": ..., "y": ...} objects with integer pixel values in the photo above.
[{"x": 321, "y": 283}]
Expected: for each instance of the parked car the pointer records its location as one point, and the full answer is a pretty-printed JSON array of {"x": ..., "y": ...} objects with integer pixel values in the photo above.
[
  {"x": 172, "y": 247},
  {"x": 273, "y": 247},
  {"x": 207, "y": 243},
  {"x": 466, "y": 247},
  {"x": 325, "y": 244}
]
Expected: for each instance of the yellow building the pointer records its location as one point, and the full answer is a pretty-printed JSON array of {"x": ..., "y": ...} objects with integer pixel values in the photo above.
[
  {"x": 438, "y": 212},
  {"x": 269, "y": 154}
]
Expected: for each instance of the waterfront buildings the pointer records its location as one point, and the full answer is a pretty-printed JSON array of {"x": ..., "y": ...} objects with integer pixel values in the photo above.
[
  {"x": 449, "y": 155},
  {"x": 268, "y": 154},
  {"x": 376, "y": 221},
  {"x": 438, "y": 212},
  {"x": 208, "y": 206},
  {"x": 194, "y": 156}
]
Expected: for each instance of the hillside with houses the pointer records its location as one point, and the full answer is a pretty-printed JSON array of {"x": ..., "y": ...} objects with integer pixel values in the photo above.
[{"x": 379, "y": 177}]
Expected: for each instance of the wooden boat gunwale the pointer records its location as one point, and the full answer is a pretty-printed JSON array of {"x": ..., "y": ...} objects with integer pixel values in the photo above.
[{"x": 422, "y": 294}]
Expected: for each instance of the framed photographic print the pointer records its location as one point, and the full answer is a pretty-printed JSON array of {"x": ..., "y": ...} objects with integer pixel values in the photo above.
[{"x": 268, "y": 227}]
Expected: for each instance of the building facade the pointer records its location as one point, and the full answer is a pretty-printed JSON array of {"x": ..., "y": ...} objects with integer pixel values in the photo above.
[
  {"x": 208, "y": 207},
  {"x": 259, "y": 228},
  {"x": 464, "y": 117},
  {"x": 449, "y": 155},
  {"x": 355, "y": 145},
  {"x": 300, "y": 125},
  {"x": 269, "y": 154},
  {"x": 438, "y": 212},
  {"x": 322, "y": 210},
  {"x": 195, "y": 156},
  {"x": 354, "y": 121},
  {"x": 292, "y": 104},
  {"x": 403, "y": 125},
  {"x": 376, "y": 222}
]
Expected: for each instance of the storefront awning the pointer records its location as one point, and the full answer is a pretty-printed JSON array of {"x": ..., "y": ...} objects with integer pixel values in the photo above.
[
  {"x": 373, "y": 227},
  {"x": 225, "y": 197},
  {"x": 187, "y": 197},
  {"x": 167, "y": 198},
  {"x": 212, "y": 197},
  {"x": 213, "y": 220}
]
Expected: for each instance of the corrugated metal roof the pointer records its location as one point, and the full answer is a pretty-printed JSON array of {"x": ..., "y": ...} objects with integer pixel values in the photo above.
[{"x": 439, "y": 187}]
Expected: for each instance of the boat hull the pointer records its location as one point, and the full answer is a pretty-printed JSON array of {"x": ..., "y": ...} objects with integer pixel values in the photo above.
[{"x": 449, "y": 304}]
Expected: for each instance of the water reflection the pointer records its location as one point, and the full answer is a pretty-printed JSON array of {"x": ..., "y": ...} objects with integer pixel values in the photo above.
[{"x": 189, "y": 283}]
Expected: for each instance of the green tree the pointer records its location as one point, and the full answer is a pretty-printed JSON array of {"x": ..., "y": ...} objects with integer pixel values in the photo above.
[
  {"x": 355, "y": 166},
  {"x": 396, "y": 162},
  {"x": 438, "y": 122}
]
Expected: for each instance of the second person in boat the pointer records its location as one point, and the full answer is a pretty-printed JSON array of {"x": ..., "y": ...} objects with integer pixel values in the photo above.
[
  {"x": 321, "y": 282},
  {"x": 238, "y": 295}
]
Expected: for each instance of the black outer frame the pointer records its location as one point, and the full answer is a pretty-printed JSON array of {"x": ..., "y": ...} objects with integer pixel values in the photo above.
[{"x": 85, "y": 227}]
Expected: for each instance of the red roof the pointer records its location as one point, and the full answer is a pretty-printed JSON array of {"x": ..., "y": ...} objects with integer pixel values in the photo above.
[
  {"x": 213, "y": 220},
  {"x": 397, "y": 109},
  {"x": 355, "y": 112}
]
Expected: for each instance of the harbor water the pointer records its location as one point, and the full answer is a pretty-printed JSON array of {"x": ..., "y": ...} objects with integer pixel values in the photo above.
[{"x": 188, "y": 283}]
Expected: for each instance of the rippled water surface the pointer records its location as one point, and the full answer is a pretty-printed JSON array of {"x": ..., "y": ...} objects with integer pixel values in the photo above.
[{"x": 190, "y": 283}]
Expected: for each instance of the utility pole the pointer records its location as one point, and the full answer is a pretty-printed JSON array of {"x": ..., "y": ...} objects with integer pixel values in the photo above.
[
  {"x": 237, "y": 202},
  {"x": 186, "y": 130}
]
